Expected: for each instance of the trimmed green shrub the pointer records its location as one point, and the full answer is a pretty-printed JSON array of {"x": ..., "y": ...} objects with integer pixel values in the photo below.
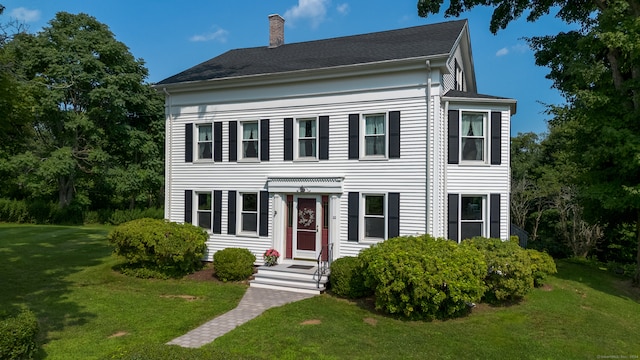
[
  {"x": 18, "y": 336},
  {"x": 423, "y": 277},
  {"x": 542, "y": 264},
  {"x": 233, "y": 264},
  {"x": 347, "y": 278},
  {"x": 160, "y": 246},
  {"x": 509, "y": 275}
]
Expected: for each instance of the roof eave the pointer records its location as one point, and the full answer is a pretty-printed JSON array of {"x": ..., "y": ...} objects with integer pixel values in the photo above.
[
  {"x": 438, "y": 60},
  {"x": 512, "y": 103}
]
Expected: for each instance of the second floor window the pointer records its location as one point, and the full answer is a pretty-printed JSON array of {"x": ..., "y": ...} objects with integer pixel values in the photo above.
[
  {"x": 307, "y": 138},
  {"x": 205, "y": 141},
  {"x": 472, "y": 133},
  {"x": 375, "y": 140},
  {"x": 250, "y": 140}
]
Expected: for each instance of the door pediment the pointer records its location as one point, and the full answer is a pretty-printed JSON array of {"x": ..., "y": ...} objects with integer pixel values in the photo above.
[{"x": 315, "y": 185}]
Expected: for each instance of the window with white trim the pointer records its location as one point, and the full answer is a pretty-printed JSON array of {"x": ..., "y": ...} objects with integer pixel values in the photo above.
[
  {"x": 473, "y": 144},
  {"x": 205, "y": 141},
  {"x": 249, "y": 213},
  {"x": 205, "y": 210},
  {"x": 307, "y": 138},
  {"x": 375, "y": 135},
  {"x": 473, "y": 216},
  {"x": 250, "y": 140},
  {"x": 374, "y": 216}
]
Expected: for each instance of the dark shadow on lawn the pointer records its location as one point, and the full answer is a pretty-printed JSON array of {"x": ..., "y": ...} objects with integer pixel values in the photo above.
[
  {"x": 598, "y": 279},
  {"x": 35, "y": 262}
]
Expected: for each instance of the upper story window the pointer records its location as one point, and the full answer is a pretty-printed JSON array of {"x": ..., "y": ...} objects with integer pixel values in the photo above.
[
  {"x": 250, "y": 140},
  {"x": 458, "y": 80},
  {"x": 307, "y": 139},
  {"x": 473, "y": 136},
  {"x": 375, "y": 135},
  {"x": 205, "y": 141}
]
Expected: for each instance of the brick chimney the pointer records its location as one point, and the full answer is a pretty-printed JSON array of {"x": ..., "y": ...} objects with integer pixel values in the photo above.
[{"x": 276, "y": 30}]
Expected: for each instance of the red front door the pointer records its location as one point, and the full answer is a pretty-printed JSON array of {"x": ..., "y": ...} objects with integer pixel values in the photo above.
[{"x": 306, "y": 228}]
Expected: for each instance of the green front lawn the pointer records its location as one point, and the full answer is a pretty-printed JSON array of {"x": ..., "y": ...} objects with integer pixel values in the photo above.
[{"x": 88, "y": 311}]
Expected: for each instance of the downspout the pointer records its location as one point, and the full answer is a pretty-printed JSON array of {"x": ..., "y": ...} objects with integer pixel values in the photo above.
[
  {"x": 427, "y": 154},
  {"x": 445, "y": 198},
  {"x": 167, "y": 155}
]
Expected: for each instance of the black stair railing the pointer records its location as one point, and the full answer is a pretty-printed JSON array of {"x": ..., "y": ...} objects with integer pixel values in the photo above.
[{"x": 323, "y": 266}]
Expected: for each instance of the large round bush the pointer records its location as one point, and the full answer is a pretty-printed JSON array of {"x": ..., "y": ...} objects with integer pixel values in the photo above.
[
  {"x": 347, "y": 278},
  {"x": 508, "y": 275},
  {"x": 421, "y": 277},
  {"x": 233, "y": 264},
  {"x": 160, "y": 246},
  {"x": 18, "y": 335}
]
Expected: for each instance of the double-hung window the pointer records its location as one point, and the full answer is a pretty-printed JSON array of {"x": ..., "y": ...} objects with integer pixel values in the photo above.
[
  {"x": 374, "y": 217},
  {"x": 205, "y": 210},
  {"x": 473, "y": 136},
  {"x": 250, "y": 140},
  {"x": 205, "y": 141},
  {"x": 375, "y": 135},
  {"x": 307, "y": 139},
  {"x": 472, "y": 216},
  {"x": 249, "y": 213}
]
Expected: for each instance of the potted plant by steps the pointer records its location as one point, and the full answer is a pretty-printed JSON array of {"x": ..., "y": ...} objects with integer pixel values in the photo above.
[{"x": 271, "y": 257}]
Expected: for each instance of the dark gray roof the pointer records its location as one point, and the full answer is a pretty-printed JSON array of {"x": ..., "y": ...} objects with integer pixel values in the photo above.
[
  {"x": 470, "y": 95},
  {"x": 418, "y": 41}
]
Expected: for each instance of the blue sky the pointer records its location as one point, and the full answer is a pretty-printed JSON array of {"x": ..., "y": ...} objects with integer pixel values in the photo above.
[{"x": 172, "y": 36}]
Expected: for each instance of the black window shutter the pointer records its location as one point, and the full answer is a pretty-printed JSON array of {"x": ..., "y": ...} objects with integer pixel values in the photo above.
[
  {"x": 188, "y": 143},
  {"x": 217, "y": 141},
  {"x": 217, "y": 212},
  {"x": 231, "y": 213},
  {"x": 494, "y": 215},
  {"x": 233, "y": 141},
  {"x": 456, "y": 67},
  {"x": 188, "y": 206},
  {"x": 264, "y": 213},
  {"x": 453, "y": 217},
  {"x": 323, "y": 141},
  {"x": 454, "y": 137},
  {"x": 264, "y": 139},
  {"x": 353, "y": 216},
  {"x": 393, "y": 205},
  {"x": 394, "y": 134},
  {"x": 354, "y": 125},
  {"x": 288, "y": 139},
  {"x": 496, "y": 133}
]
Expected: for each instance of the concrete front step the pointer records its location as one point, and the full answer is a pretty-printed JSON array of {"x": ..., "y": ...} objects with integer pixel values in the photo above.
[
  {"x": 285, "y": 277},
  {"x": 305, "y": 290}
]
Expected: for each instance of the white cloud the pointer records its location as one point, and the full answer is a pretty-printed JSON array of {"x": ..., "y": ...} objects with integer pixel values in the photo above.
[
  {"x": 343, "y": 9},
  {"x": 219, "y": 35},
  {"x": 518, "y": 48},
  {"x": 312, "y": 10},
  {"x": 26, "y": 15},
  {"x": 502, "y": 52}
]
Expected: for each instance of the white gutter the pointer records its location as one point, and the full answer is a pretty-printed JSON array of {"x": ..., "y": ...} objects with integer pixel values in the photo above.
[{"x": 168, "y": 126}]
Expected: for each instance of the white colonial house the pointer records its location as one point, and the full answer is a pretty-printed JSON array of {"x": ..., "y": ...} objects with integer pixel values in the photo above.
[{"x": 320, "y": 149}]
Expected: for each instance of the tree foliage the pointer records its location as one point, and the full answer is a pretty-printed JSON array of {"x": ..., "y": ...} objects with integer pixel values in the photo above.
[{"x": 96, "y": 126}]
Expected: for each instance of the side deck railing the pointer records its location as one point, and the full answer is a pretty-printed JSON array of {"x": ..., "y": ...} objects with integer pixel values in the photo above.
[{"x": 323, "y": 266}]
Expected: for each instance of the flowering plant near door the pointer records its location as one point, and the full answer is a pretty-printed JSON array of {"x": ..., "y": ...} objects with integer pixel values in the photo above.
[{"x": 271, "y": 257}]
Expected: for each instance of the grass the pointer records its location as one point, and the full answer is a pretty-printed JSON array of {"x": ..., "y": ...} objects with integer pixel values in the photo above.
[{"x": 88, "y": 311}]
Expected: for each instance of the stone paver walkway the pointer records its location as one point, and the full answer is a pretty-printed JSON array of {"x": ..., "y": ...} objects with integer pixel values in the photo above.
[{"x": 254, "y": 302}]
